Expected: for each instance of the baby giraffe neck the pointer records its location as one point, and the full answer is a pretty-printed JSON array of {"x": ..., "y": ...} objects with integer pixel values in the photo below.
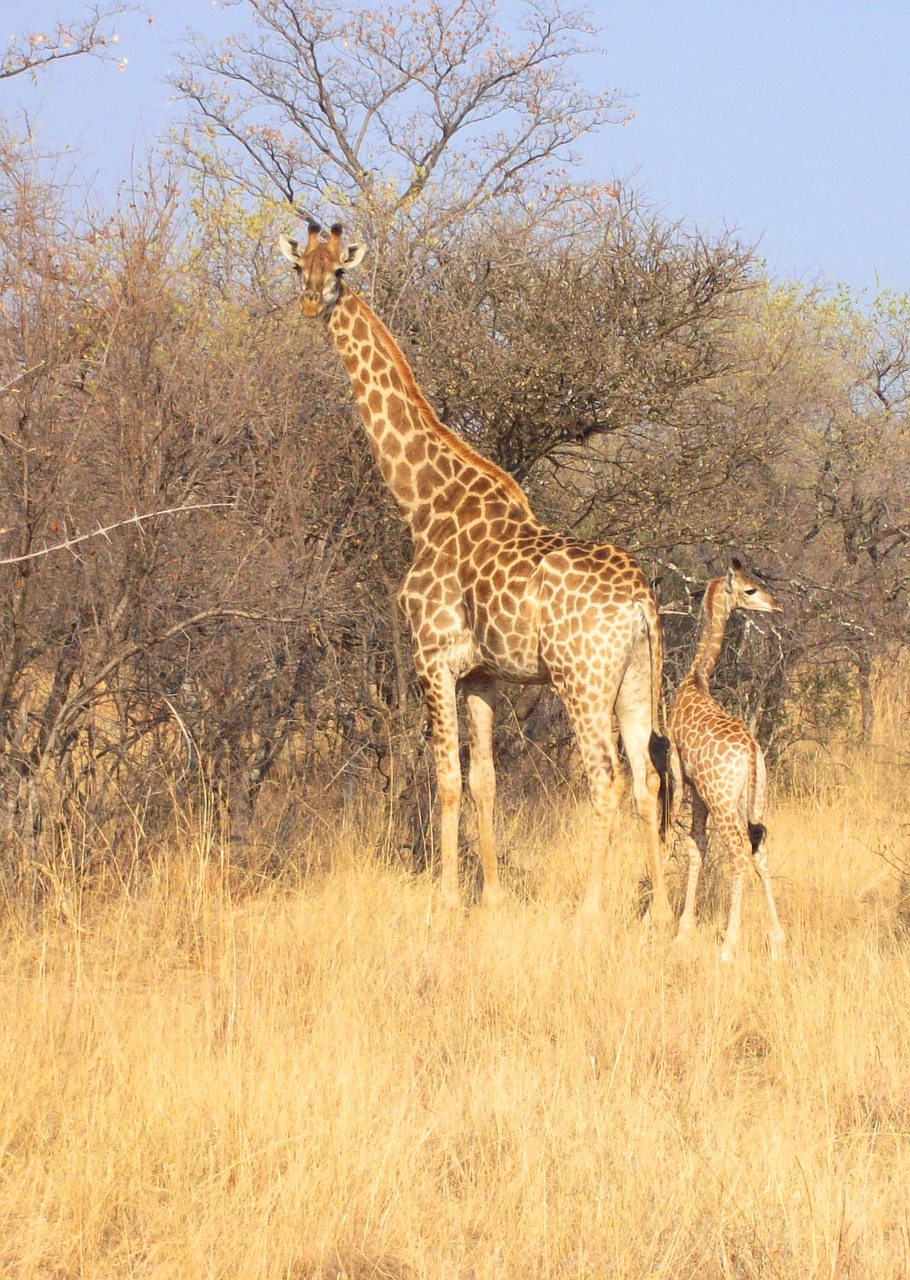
[{"x": 715, "y": 611}]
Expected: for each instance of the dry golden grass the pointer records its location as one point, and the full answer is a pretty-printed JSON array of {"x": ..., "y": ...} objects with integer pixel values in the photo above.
[{"x": 206, "y": 1079}]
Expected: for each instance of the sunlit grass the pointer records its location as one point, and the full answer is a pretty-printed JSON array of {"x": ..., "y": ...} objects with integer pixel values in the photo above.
[{"x": 208, "y": 1076}]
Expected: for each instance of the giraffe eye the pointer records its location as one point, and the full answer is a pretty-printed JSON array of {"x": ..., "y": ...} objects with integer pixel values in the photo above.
[{"x": 750, "y": 591}]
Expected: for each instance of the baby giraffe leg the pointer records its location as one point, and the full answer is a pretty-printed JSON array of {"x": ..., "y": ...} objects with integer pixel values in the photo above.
[
  {"x": 776, "y": 937},
  {"x": 734, "y": 834},
  {"x": 696, "y": 846}
]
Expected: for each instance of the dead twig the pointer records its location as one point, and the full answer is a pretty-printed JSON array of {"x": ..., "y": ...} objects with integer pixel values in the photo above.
[{"x": 119, "y": 524}]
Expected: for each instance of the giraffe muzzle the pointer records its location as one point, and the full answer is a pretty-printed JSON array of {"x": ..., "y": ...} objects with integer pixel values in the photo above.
[{"x": 311, "y": 305}]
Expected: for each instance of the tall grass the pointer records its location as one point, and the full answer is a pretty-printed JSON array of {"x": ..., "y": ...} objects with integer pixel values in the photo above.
[{"x": 206, "y": 1077}]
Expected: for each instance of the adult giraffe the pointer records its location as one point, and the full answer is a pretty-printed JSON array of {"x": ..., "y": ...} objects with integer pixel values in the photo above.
[
  {"x": 722, "y": 764},
  {"x": 493, "y": 595}
]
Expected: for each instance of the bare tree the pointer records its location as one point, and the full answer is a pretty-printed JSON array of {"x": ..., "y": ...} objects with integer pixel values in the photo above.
[
  {"x": 539, "y": 352},
  {"x": 640, "y": 379},
  {"x": 186, "y": 656},
  {"x": 421, "y": 113},
  {"x": 29, "y": 51}
]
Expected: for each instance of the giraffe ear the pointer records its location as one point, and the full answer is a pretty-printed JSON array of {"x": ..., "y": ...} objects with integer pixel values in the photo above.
[
  {"x": 730, "y": 580},
  {"x": 737, "y": 565},
  {"x": 354, "y": 256},
  {"x": 290, "y": 248}
]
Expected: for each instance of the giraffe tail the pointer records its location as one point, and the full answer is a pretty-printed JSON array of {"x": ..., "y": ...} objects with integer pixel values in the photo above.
[
  {"x": 659, "y": 748},
  {"x": 756, "y": 798},
  {"x": 659, "y": 751}
]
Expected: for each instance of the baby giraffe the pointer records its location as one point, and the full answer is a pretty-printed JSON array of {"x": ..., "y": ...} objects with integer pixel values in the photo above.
[{"x": 722, "y": 765}]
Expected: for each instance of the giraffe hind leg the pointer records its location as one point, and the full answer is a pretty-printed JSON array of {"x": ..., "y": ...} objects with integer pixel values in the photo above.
[
  {"x": 648, "y": 754},
  {"x": 735, "y": 835},
  {"x": 593, "y": 732},
  {"x": 776, "y": 937},
  {"x": 696, "y": 845},
  {"x": 606, "y": 786}
]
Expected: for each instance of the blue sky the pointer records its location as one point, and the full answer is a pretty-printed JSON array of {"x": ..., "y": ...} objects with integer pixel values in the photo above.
[{"x": 787, "y": 121}]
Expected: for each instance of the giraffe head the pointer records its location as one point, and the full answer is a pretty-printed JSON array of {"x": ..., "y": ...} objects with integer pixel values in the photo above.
[
  {"x": 744, "y": 592},
  {"x": 321, "y": 264}
]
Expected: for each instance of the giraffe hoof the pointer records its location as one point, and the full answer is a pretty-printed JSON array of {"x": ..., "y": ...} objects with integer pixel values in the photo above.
[
  {"x": 645, "y": 934},
  {"x": 493, "y": 895},
  {"x": 660, "y": 919},
  {"x": 778, "y": 946},
  {"x": 451, "y": 900}
]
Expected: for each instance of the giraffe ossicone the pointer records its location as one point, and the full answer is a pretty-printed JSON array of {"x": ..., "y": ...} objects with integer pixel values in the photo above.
[
  {"x": 721, "y": 764},
  {"x": 491, "y": 594}
]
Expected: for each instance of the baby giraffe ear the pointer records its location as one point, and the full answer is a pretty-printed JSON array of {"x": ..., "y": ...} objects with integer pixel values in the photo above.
[
  {"x": 290, "y": 248},
  {"x": 737, "y": 565},
  {"x": 354, "y": 256}
]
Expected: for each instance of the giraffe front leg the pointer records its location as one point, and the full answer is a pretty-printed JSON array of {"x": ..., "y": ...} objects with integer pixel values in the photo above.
[
  {"x": 439, "y": 691},
  {"x": 480, "y": 697}
]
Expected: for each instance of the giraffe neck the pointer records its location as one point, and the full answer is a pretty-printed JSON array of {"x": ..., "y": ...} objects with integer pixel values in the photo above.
[
  {"x": 715, "y": 610},
  {"x": 427, "y": 467}
]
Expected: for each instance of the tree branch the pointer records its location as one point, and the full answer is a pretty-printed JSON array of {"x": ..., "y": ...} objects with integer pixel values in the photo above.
[{"x": 102, "y": 533}]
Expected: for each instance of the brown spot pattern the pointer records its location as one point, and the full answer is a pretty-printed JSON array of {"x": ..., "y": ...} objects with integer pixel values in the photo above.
[
  {"x": 492, "y": 594},
  {"x": 722, "y": 765}
]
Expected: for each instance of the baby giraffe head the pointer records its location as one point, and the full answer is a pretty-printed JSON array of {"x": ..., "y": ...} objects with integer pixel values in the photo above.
[
  {"x": 321, "y": 264},
  {"x": 744, "y": 592}
]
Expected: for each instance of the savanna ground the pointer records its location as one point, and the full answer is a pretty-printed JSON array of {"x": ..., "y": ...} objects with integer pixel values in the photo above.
[{"x": 321, "y": 1074}]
